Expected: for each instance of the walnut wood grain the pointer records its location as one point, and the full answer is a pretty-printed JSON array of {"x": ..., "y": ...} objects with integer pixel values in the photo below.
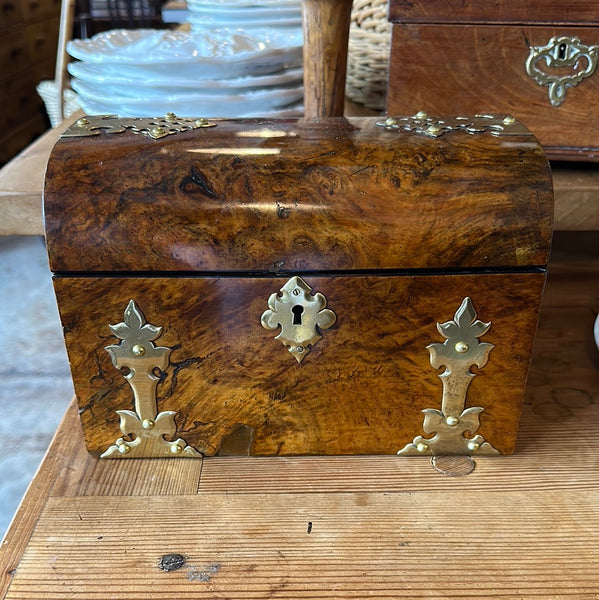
[
  {"x": 339, "y": 194},
  {"x": 466, "y": 69},
  {"x": 557, "y": 439},
  {"x": 509, "y": 13},
  {"x": 360, "y": 390}
]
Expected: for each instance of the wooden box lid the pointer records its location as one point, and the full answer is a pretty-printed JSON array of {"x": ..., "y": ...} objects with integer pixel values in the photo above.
[
  {"x": 539, "y": 12},
  {"x": 267, "y": 196}
]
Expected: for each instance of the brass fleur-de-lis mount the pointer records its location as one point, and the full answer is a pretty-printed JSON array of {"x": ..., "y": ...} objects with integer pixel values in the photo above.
[
  {"x": 299, "y": 314},
  {"x": 140, "y": 357},
  {"x": 154, "y": 128},
  {"x": 434, "y": 127},
  {"x": 457, "y": 354}
]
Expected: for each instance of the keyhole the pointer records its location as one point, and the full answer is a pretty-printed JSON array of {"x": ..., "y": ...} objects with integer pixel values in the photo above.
[
  {"x": 561, "y": 51},
  {"x": 297, "y": 311}
]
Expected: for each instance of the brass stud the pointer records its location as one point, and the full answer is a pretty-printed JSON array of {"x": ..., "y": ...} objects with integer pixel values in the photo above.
[
  {"x": 147, "y": 424},
  {"x": 422, "y": 447},
  {"x": 451, "y": 421},
  {"x": 473, "y": 446},
  {"x": 171, "y": 116},
  {"x": 138, "y": 350},
  {"x": 391, "y": 121},
  {"x": 124, "y": 449},
  {"x": 509, "y": 120},
  {"x": 158, "y": 131},
  {"x": 176, "y": 449},
  {"x": 421, "y": 114},
  {"x": 82, "y": 122},
  {"x": 433, "y": 130},
  {"x": 299, "y": 349},
  {"x": 461, "y": 347},
  {"x": 202, "y": 123}
]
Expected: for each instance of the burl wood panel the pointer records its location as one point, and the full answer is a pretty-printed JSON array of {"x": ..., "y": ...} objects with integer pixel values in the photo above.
[
  {"x": 466, "y": 69},
  {"x": 474, "y": 11},
  {"x": 269, "y": 196},
  {"x": 360, "y": 390}
]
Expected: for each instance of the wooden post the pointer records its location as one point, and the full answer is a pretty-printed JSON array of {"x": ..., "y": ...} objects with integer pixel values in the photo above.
[
  {"x": 326, "y": 34},
  {"x": 65, "y": 33}
]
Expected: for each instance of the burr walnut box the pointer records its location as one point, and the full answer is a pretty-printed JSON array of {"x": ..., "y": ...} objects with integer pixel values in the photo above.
[{"x": 288, "y": 287}]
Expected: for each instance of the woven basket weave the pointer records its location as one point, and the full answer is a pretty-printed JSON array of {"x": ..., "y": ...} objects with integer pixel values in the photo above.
[{"x": 368, "y": 53}]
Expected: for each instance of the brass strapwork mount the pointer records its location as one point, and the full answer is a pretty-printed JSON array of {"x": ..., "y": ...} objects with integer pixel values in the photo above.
[
  {"x": 460, "y": 351},
  {"x": 154, "y": 128},
  {"x": 145, "y": 427}
]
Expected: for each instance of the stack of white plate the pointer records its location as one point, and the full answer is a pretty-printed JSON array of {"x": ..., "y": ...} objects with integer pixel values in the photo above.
[{"x": 216, "y": 72}]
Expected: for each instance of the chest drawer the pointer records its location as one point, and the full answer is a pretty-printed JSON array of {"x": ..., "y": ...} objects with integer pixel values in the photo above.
[{"x": 480, "y": 59}]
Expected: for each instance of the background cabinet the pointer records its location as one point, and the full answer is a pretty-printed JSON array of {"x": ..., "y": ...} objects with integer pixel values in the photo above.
[
  {"x": 28, "y": 42},
  {"x": 473, "y": 57}
]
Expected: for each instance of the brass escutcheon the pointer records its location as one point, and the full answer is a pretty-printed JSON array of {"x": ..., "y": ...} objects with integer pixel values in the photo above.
[
  {"x": 300, "y": 314},
  {"x": 561, "y": 52}
]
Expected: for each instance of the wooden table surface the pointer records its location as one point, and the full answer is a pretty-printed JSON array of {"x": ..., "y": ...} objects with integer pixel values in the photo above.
[{"x": 517, "y": 527}]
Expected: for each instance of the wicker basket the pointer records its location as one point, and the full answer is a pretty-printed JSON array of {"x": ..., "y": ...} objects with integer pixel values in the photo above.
[
  {"x": 49, "y": 93},
  {"x": 368, "y": 53}
]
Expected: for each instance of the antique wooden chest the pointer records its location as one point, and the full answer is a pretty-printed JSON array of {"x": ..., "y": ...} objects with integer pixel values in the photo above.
[
  {"x": 535, "y": 59},
  {"x": 263, "y": 287}
]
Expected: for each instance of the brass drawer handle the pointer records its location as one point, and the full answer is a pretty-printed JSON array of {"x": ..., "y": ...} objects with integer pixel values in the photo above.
[{"x": 560, "y": 52}]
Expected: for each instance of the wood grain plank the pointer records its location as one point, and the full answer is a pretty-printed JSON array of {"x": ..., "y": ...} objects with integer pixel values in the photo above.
[
  {"x": 131, "y": 477},
  {"x": 68, "y": 469},
  {"x": 21, "y": 184},
  {"x": 576, "y": 189},
  {"x": 22, "y": 525},
  {"x": 534, "y": 466},
  {"x": 83, "y": 475},
  {"x": 446, "y": 544}
]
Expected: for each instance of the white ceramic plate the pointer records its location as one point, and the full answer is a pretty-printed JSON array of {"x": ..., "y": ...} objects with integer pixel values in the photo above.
[
  {"x": 269, "y": 97},
  {"x": 98, "y": 108},
  {"x": 228, "y": 4},
  {"x": 249, "y": 25},
  {"x": 193, "y": 102},
  {"x": 151, "y": 46},
  {"x": 240, "y": 13},
  {"x": 273, "y": 63},
  {"x": 119, "y": 76}
]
